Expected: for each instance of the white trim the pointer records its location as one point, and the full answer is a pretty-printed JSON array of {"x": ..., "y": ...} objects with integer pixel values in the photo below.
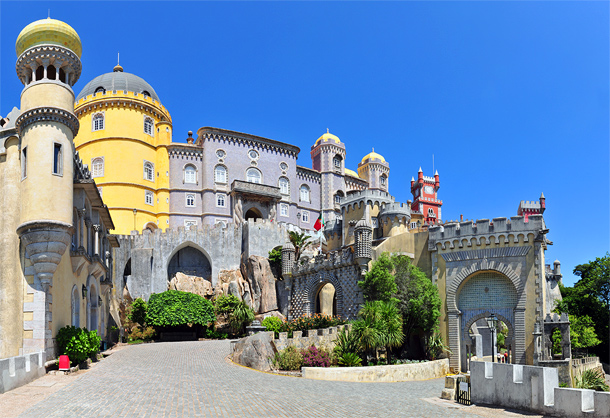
[
  {"x": 252, "y": 170},
  {"x": 226, "y": 174},
  {"x": 224, "y": 200},
  {"x": 148, "y": 194},
  {"x": 308, "y": 190},
  {"x": 60, "y": 159},
  {"x": 305, "y": 216},
  {"x": 287, "y": 184},
  {"x": 152, "y": 125},
  {"x": 97, "y": 117},
  {"x": 185, "y": 177},
  {"x": 152, "y": 173},
  {"x": 284, "y": 210},
  {"x": 93, "y": 173},
  {"x": 186, "y": 200}
]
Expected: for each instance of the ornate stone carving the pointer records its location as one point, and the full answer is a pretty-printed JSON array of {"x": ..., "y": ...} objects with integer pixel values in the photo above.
[{"x": 50, "y": 114}]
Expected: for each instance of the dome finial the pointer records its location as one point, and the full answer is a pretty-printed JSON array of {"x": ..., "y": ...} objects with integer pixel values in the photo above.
[
  {"x": 117, "y": 68},
  {"x": 327, "y": 131}
]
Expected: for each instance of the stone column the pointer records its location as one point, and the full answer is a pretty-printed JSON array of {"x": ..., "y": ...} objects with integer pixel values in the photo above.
[
  {"x": 454, "y": 340},
  {"x": 96, "y": 242},
  {"x": 519, "y": 346},
  {"x": 88, "y": 242},
  {"x": 81, "y": 227}
]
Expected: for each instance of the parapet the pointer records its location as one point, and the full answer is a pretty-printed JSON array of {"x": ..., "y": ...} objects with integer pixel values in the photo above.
[
  {"x": 400, "y": 210},
  {"x": 328, "y": 261},
  {"x": 368, "y": 196}
]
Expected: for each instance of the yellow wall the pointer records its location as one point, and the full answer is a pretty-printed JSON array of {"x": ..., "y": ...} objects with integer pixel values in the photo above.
[{"x": 125, "y": 146}]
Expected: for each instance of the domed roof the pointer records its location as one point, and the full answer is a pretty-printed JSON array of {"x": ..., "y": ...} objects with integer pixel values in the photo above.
[
  {"x": 351, "y": 173},
  {"x": 48, "y": 31},
  {"x": 328, "y": 137},
  {"x": 118, "y": 81},
  {"x": 371, "y": 156}
]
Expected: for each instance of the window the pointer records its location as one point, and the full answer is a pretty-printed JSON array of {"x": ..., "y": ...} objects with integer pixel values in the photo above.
[
  {"x": 148, "y": 197},
  {"x": 149, "y": 171},
  {"x": 431, "y": 212},
  {"x": 253, "y": 154},
  {"x": 338, "y": 197},
  {"x": 24, "y": 165},
  {"x": 188, "y": 223},
  {"x": 148, "y": 125},
  {"x": 97, "y": 122},
  {"x": 253, "y": 175},
  {"x": 57, "y": 162},
  {"x": 283, "y": 209},
  {"x": 100, "y": 90},
  {"x": 190, "y": 174},
  {"x": 145, "y": 93},
  {"x": 220, "y": 153},
  {"x": 97, "y": 167},
  {"x": 337, "y": 162},
  {"x": 413, "y": 225},
  {"x": 305, "y": 193},
  {"x": 284, "y": 185},
  {"x": 220, "y": 174},
  {"x": 220, "y": 221},
  {"x": 190, "y": 200},
  {"x": 382, "y": 180},
  {"x": 305, "y": 216},
  {"x": 283, "y": 166},
  {"x": 221, "y": 201}
]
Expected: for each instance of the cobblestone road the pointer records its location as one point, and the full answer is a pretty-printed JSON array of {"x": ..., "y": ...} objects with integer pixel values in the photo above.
[{"x": 192, "y": 379}]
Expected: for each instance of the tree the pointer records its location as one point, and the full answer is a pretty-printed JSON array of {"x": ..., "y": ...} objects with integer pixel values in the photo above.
[
  {"x": 418, "y": 299},
  {"x": 378, "y": 283},
  {"x": 137, "y": 312},
  {"x": 300, "y": 241},
  {"x": 380, "y": 325},
  {"x": 582, "y": 332}
]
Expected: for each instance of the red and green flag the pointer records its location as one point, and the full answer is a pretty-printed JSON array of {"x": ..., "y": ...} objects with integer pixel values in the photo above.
[{"x": 319, "y": 223}]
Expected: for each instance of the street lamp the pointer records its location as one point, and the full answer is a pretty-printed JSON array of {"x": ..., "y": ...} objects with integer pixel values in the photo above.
[
  {"x": 491, "y": 323},
  {"x": 135, "y": 211}
]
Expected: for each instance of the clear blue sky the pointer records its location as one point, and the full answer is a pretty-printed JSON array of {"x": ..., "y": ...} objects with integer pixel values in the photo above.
[{"x": 512, "y": 98}]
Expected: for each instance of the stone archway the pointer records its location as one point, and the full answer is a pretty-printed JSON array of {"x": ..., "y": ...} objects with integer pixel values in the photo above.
[
  {"x": 190, "y": 261},
  {"x": 326, "y": 300},
  {"x": 253, "y": 213},
  {"x": 315, "y": 284},
  {"x": 465, "y": 336}
]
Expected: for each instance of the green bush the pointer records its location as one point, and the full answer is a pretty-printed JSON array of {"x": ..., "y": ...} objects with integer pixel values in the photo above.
[
  {"x": 272, "y": 323},
  {"x": 241, "y": 317},
  {"x": 288, "y": 359},
  {"x": 214, "y": 334},
  {"x": 77, "y": 343},
  {"x": 275, "y": 255},
  {"x": 305, "y": 323},
  {"x": 592, "y": 379},
  {"x": 226, "y": 304},
  {"x": 350, "y": 360},
  {"x": 347, "y": 342},
  {"x": 143, "y": 334},
  {"x": 137, "y": 312},
  {"x": 174, "y": 308}
]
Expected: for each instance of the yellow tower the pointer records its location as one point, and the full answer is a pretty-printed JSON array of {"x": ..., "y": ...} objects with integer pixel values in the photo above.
[
  {"x": 123, "y": 138},
  {"x": 48, "y": 65}
]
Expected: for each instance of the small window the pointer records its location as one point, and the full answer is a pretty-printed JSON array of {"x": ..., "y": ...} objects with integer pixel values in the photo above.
[
  {"x": 284, "y": 185},
  {"x": 97, "y": 167},
  {"x": 24, "y": 161},
  {"x": 305, "y": 216},
  {"x": 148, "y": 125},
  {"x": 190, "y": 174},
  {"x": 145, "y": 93},
  {"x": 283, "y": 166},
  {"x": 305, "y": 195},
  {"x": 149, "y": 171},
  {"x": 413, "y": 225},
  {"x": 220, "y": 174},
  {"x": 190, "y": 200},
  {"x": 337, "y": 162},
  {"x": 382, "y": 180},
  {"x": 431, "y": 213},
  {"x": 283, "y": 209},
  {"x": 253, "y": 154},
  {"x": 100, "y": 89},
  {"x": 97, "y": 122},
  {"x": 221, "y": 200},
  {"x": 189, "y": 223},
  {"x": 253, "y": 175},
  {"x": 148, "y": 197},
  {"x": 57, "y": 159},
  {"x": 220, "y": 153}
]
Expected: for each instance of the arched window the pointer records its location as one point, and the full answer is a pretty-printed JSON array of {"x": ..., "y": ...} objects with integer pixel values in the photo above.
[
  {"x": 97, "y": 167},
  {"x": 253, "y": 175},
  {"x": 221, "y": 200},
  {"x": 190, "y": 200},
  {"x": 431, "y": 213},
  {"x": 149, "y": 171},
  {"x": 145, "y": 93},
  {"x": 51, "y": 72},
  {"x": 100, "y": 89},
  {"x": 190, "y": 174},
  {"x": 383, "y": 180},
  {"x": 220, "y": 174},
  {"x": 337, "y": 162},
  {"x": 148, "y": 125},
  {"x": 39, "y": 73},
  {"x": 97, "y": 122},
  {"x": 305, "y": 195},
  {"x": 338, "y": 196},
  {"x": 284, "y": 185},
  {"x": 62, "y": 75}
]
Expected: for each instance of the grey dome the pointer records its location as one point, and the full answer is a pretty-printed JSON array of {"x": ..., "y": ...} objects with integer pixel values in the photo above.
[{"x": 118, "y": 81}]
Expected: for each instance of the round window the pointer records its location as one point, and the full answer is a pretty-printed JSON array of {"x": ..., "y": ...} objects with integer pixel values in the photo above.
[
  {"x": 220, "y": 153},
  {"x": 253, "y": 154},
  {"x": 284, "y": 166}
]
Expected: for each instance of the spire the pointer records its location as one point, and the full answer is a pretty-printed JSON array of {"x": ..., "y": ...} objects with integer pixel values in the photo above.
[
  {"x": 412, "y": 178},
  {"x": 542, "y": 196},
  {"x": 117, "y": 68},
  {"x": 420, "y": 170},
  {"x": 436, "y": 173}
]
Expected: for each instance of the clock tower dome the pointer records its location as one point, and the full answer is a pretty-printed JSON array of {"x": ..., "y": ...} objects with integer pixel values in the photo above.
[{"x": 425, "y": 197}]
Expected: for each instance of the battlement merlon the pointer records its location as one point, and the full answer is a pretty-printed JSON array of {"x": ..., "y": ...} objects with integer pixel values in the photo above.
[{"x": 461, "y": 232}]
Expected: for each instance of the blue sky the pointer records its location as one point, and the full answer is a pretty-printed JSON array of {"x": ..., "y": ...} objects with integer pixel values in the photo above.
[{"x": 512, "y": 98}]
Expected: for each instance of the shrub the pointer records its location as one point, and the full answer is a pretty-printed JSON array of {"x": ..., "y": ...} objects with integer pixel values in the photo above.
[
  {"x": 347, "y": 342},
  {"x": 592, "y": 379},
  {"x": 241, "y": 317},
  {"x": 214, "y": 334},
  {"x": 316, "y": 357},
  {"x": 137, "y": 313},
  {"x": 288, "y": 359},
  {"x": 272, "y": 323},
  {"x": 275, "y": 255},
  {"x": 226, "y": 304},
  {"x": 77, "y": 343},
  {"x": 144, "y": 334},
  {"x": 350, "y": 360},
  {"x": 174, "y": 308},
  {"x": 305, "y": 323}
]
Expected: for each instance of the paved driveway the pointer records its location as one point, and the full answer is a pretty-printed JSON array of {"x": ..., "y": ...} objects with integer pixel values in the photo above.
[{"x": 192, "y": 379}]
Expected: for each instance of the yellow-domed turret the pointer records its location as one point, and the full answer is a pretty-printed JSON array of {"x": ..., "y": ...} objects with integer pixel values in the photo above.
[
  {"x": 48, "y": 31},
  {"x": 328, "y": 137},
  {"x": 373, "y": 155}
]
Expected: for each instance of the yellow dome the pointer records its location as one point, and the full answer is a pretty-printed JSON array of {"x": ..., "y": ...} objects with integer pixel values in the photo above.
[
  {"x": 373, "y": 155},
  {"x": 48, "y": 31},
  {"x": 351, "y": 173},
  {"x": 328, "y": 137}
]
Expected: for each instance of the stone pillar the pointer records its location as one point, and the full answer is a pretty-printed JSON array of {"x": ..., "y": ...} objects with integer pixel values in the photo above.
[
  {"x": 81, "y": 227},
  {"x": 519, "y": 353},
  {"x": 96, "y": 242},
  {"x": 454, "y": 340}
]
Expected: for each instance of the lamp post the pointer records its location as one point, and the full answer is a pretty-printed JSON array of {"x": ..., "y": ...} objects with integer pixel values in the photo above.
[
  {"x": 135, "y": 211},
  {"x": 491, "y": 322}
]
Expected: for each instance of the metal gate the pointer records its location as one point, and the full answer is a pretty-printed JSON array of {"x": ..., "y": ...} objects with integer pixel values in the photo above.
[{"x": 463, "y": 390}]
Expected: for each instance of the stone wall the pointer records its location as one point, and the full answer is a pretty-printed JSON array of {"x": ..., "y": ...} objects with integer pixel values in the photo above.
[
  {"x": 324, "y": 337},
  {"x": 533, "y": 389},
  {"x": 20, "y": 370},
  {"x": 392, "y": 373},
  {"x": 261, "y": 236}
]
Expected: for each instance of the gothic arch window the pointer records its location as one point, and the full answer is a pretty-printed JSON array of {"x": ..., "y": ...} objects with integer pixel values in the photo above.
[
  {"x": 97, "y": 167},
  {"x": 284, "y": 184},
  {"x": 190, "y": 174},
  {"x": 338, "y": 196},
  {"x": 51, "y": 72},
  {"x": 149, "y": 171},
  {"x": 220, "y": 174},
  {"x": 97, "y": 122},
  {"x": 221, "y": 200},
  {"x": 39, "y": 73},
  {"x": 253, "y": 175},
  {"x": 383, "y": 180},
  {"x": 190, "y": 200},
  {"x": 62, "y": 75},
  {"x": 305, "y": 193},
  {"x": 337, "y": 162},
  {"x": 148, "y": 125}
]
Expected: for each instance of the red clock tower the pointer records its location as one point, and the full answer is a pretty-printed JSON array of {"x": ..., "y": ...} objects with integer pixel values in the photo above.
[{"x": 425, "y": 199}]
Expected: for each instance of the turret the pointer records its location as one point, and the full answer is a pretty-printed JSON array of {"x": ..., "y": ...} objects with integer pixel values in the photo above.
[
  {"x": 363, "y": 234},
  {"x": 542, "y": 202},
  {"x": 288, "y": 254},
  {"x": 437, "y": 183},
  {"x": 375, "y": 170}
]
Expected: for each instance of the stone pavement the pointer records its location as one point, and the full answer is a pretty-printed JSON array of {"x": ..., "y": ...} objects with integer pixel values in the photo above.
[{"x": 193, "y": 379}]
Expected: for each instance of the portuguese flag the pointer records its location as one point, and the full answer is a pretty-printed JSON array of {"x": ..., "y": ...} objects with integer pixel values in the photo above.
[{"x": 319, "y": 223}]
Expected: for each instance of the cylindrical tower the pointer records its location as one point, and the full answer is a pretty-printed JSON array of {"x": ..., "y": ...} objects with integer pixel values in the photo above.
[
  {"x": 363, "y": 248},
  {"x": 48, "y": 64},
  {"x": 288, "y": 254}
]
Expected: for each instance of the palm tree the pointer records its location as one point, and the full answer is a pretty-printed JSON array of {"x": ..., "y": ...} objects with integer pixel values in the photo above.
[{"x": 300, "y": 241}]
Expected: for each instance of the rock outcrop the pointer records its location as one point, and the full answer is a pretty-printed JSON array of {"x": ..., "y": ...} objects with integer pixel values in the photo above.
[
  {"x": 255, "y": 351},
  {"x": 231, "y": 282},
  {"x": 192, "y": 284},
  {"x": 257, "y": 272}
]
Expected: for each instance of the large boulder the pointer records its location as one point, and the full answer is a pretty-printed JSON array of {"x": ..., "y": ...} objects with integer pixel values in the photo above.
[
  {"x": 255, "y": 351},
  {"x": 192, "y": 284},
  {"x": 231, "y": 282},
  {"x": 258, "y": 272}
]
